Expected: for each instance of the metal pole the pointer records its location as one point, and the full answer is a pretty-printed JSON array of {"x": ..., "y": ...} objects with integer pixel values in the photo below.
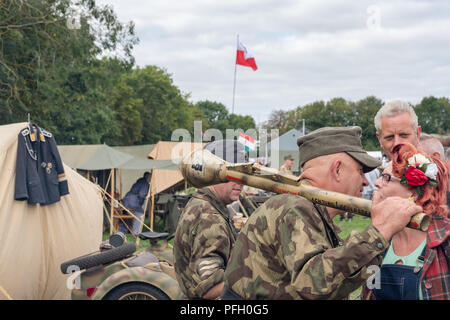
[{"x": 235, "y": 69}]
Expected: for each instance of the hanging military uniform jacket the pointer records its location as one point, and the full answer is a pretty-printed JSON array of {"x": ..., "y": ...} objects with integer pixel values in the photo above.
[{"x": 40, "y": 174}]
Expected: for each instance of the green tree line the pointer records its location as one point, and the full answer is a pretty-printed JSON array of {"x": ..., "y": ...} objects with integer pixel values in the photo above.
[{"x": 68, "y": 64}]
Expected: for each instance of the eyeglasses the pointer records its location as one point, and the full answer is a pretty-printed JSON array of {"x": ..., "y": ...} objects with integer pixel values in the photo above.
[{"x": 386, "y": 178}]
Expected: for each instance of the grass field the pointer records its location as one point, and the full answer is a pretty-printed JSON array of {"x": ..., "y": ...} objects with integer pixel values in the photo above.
[{"x": 358, "y": 223}]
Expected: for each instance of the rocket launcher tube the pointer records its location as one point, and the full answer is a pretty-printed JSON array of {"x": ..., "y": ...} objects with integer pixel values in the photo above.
[{"x": 201, "y": 169}]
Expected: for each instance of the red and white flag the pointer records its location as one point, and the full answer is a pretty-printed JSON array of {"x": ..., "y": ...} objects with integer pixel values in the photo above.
[{"x": 245, "y": 58}]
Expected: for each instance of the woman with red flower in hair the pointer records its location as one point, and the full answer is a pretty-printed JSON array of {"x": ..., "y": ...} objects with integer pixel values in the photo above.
[{"x": 416, "y": 265}]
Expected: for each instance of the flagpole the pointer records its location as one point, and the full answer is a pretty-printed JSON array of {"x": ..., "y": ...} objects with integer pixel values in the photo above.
[{"x": 235, "y": 69}]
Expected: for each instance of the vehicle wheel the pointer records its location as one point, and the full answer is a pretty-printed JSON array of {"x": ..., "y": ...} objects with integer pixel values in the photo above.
[
  {"x": 96, "y": 259},
  {"x": 136, "y": 291}
]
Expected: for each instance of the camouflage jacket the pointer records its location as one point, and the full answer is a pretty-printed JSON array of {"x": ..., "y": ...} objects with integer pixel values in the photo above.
[
  {"x": 289, "y": 249},
  {"x": 203, "y": 241},
  {"x": 285, "y": 169}
]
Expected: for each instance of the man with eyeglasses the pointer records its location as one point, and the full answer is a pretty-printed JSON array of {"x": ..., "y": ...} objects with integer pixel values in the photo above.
[{"x": 386, "y": 178}]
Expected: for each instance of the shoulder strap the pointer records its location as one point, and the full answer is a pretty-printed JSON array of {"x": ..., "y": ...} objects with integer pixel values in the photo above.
[
  {"x": 421, "y": 258},
  {"x": 46, "y": 133},
  {"x": 330, "y": 232}
]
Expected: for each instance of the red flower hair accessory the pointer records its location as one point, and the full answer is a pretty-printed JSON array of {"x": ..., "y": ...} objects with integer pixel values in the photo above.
[{"x": 420, "y": 171}]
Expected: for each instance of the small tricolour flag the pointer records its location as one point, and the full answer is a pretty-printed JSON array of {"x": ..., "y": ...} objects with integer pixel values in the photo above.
[
  {"x": 247, "y": 141},
  {"x": 245, "y": 58}
]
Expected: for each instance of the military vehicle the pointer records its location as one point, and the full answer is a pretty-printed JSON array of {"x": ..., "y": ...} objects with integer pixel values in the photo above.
[{"x": 117, "y": 272}]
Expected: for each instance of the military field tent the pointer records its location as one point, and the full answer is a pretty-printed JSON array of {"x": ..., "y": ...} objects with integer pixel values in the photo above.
[
  {"x": 132, "y": 162},
  {"x": 37, "y": 239},
  {"x": 284, "y": 145},
  {"x": 158, "y": 181},
  {"x": 95, "y": 162},
  {"x": 170, "y": 150},
  {"x": 110, "y": 167},
  {"x": 129, "y": 176},
  {"x": 137, "y": 151},
  {"x": 166, "y": 150},
  {"x": 92, "y": 157}
]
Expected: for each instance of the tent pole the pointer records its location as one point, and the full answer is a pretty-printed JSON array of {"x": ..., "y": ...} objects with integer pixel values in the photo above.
[
  {"x": 108, "y": 181},
  {"x": 112, "y": 201},
  {"x": 120, "y": 177},
  {"x": 152, "y": 211},
  {"x": 106, "y": 198},
  {"x": 152, "y": 193}
]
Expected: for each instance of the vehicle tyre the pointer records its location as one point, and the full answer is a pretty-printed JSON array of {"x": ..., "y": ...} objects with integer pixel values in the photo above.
[
  {"x": 136, "y": 291},
  {"x": 99, "y": 258}
]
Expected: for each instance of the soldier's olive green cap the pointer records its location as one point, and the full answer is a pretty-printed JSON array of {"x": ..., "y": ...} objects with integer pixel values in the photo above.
[
  {"x": 329, "y": 140},
  {"x": 289, "y": 157}
]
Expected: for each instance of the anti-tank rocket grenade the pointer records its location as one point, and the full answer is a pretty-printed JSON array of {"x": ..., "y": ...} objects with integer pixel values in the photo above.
[{"x": 201, "y": 168}]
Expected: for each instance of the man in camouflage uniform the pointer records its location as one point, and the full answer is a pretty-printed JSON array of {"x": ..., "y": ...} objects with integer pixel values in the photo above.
[
  {"x": 287, "y": 166},
  {"x": 290, "y": 248},
  {"x": 205, "y": 234}
]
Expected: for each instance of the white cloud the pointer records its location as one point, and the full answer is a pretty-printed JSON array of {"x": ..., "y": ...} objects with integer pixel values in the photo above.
[{"x": 305, "y": 50}]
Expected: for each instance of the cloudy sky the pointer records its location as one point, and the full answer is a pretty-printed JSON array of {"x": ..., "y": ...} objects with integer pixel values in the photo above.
[{"x": 305, "y": 50}]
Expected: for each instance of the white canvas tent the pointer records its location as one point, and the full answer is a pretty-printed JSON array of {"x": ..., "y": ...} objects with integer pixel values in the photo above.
[
  {"x": 37, "y": 239},
  {"x": 164, "y": 179}
]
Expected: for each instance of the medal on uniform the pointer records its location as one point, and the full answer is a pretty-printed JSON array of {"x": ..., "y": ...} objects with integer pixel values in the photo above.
[
  {"x": 49, "y": 168},
  {"x": 43, "y": 164}
]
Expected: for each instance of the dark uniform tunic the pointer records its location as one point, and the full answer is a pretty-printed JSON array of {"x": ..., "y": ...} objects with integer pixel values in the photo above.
[{"x": 40, "y": 174}]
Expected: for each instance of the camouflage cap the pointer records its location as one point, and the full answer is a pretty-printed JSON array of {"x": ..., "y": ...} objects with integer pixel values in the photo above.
[
  {"x": 329, "y": 140},
  {"x": 289, "y": 157}
]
